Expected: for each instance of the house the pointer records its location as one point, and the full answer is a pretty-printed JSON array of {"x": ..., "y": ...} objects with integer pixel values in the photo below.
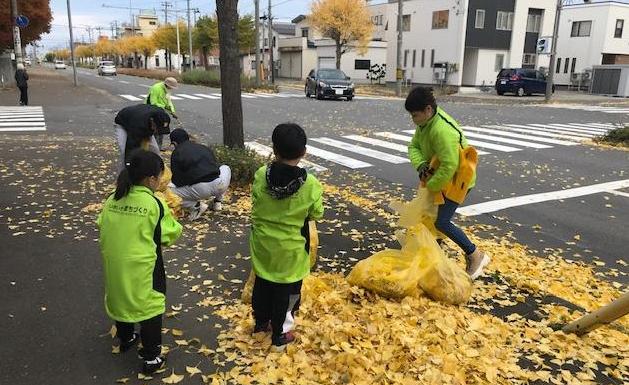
[
  {"x": 467, "y": 42},
  {"x": 280, "y": 31},
  {"x": 591, "y": 34}
]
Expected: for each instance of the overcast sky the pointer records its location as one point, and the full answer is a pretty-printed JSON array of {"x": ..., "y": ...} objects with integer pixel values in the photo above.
[{"x": 92, "y": 13}]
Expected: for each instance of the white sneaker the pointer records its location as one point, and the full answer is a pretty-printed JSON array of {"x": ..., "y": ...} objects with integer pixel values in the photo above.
[
  {"x": 476, "y": 262},
  {"x": 218, "y": 206},
  {"x": 197, "y": 211}
]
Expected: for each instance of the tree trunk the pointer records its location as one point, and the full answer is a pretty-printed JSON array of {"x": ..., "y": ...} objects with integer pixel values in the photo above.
[
  {"x": 227, "y": 14},
  {"x": 205, "y": 63},
  {"x": 146, "y": 60},
  {"x": 338, "y": 54}
]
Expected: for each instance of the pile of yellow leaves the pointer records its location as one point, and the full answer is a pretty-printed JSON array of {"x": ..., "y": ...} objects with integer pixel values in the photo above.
[{"x": 346, "y": 335}]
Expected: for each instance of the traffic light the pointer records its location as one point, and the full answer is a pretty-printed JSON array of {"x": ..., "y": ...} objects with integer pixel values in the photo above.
[{"x": 543, "y": 45}]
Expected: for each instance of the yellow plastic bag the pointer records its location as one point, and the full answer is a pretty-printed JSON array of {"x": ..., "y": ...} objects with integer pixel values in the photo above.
[
  {"x": 391, "y": 273},
  {"x": 419, "y": 210},
  {"x": 247, "y": 291},
  {"x": 163, "y": 191}
]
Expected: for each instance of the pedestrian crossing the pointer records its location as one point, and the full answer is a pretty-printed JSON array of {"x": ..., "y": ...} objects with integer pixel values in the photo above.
[
  {"x": 244, "y": 95},
  {"x": 22, "y": 119},
  {"x": 604, "y": 109},
  {"x": 364, "y": 151}
]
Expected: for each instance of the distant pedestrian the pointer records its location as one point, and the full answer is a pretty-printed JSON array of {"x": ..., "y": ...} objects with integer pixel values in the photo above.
[
  {"x": 438, "y": 136},
  {"x": 285, "y": 197},
  {"x": 137, "y": 126},
  {"x": 134, "y": 225},
  {"x": 21, "y": 78},
  {"x": 197, "y": 175},
  {"x": 159, "y": 96}
]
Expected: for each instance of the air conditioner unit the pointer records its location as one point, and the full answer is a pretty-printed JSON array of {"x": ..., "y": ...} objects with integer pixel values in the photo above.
[
  {"x": 439, "y": 75},
  {"x": 575, "y": 76}
]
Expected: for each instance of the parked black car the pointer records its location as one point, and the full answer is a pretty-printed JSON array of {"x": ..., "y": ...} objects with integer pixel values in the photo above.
[
  {"x": 521, "y": 81},
  {"x": 329, "y": 83}
]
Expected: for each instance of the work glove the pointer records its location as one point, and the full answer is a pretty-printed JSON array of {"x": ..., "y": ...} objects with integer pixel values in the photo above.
[{"x": 423, "y": 170}]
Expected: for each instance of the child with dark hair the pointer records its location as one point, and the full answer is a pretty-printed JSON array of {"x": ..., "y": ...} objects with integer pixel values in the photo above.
[
  {"x": 134, "y": 225},
  {"x": 285, "y": 197},
  {"x": 438, "y": 135}
]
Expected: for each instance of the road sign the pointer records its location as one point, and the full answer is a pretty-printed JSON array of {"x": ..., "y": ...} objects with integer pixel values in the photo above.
[
  {"x": 544, "y": 45},
  {"x": 21, "y": 21}
]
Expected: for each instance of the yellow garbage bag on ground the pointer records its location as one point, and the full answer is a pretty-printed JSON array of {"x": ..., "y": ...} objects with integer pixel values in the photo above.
[
  {"x": 420, "y": 209},
  {"x": 163, "y": 191},
  {"x": 247, "y": 291}
]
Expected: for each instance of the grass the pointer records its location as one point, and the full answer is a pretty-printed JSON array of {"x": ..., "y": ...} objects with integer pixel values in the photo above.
[{"x": 618, "y": 137}]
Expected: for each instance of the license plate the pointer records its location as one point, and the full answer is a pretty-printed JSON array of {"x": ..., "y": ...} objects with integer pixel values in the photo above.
[
  {"x": 338, "y": 92},
  {"x": 503, "y": 82}
]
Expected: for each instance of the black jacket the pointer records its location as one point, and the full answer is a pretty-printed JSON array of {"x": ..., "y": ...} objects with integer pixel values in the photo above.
[
  {"x": 135, "y": 120},
  {"x": 193, "y": 163},
  {"x": 21, "y": 77}
]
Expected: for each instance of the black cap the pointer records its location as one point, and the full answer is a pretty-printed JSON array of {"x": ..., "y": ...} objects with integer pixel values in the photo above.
[{"x": 179, "y": 135}]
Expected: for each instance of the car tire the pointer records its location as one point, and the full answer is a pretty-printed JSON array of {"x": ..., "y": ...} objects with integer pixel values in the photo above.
[
  {"x": 307, "y": 91},
  {"x": 349, "y": 98},
  {"x": 500, "y": 93},
  {"x": 318, "y": 94},
  {"x": 520, "y": 92}
]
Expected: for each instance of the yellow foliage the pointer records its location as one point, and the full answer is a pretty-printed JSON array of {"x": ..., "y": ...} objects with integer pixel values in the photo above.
[{"x": 347, "y": 22}]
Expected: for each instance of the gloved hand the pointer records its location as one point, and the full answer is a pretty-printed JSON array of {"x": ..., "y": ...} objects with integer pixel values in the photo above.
[{"x": 423, "y": 171}]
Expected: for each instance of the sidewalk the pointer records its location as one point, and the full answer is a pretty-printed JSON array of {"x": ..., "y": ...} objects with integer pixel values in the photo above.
[{"x": 559, "y": 97}]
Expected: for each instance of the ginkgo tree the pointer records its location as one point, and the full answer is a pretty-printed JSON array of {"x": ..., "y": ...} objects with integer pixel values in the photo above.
[{"x": 347, "y": 22}]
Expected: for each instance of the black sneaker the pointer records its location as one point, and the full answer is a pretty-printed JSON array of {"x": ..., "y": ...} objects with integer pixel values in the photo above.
[
  {"x": 279, "y": 343},
  {"x": 265, "y": 327},
  {"x": 151, "y": 366},
  {"x": 125, "y": 346}
]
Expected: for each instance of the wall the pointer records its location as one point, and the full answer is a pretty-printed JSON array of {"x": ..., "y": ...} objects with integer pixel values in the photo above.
[
  {"x": 6, "y": 70},
  {"x": 518, "y": 36},
  {"x": 488, "y": 37},
  {"x": 377, "y": 54}
]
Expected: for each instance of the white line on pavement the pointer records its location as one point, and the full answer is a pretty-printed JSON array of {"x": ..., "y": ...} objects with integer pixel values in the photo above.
[
  {"x": 208, "y": 96},
  {"x": 173, "y": 97},
  {"x": 131, "y": 97},
  {"x": 491, "y": 146},
  {"x": 505, "y": 140},
  {"x": 619, "y": 193},
  {"x": 186, "y": 96},
  {"x": 501, "y": 132},
  {"x": 378, "y": 142},
  {"x": 502, "y": 204},
  {"x": 565, "y": 130},
  {"x": 22, "y": 119},
  {"x": 267, "y": 151},
  {"x": 22, "y": 129},
  {"x": 587, "y": 130},
  {"x": 362, "y": 150},
  {"x": 123, "y": 81},
  {"x": 407, "y": 139},
  {"x": 21, "y": 116},
  {"x": 539, "y": 132},
  {"x": 20, "y": 124},
  {"x": 337, "y": 158}
]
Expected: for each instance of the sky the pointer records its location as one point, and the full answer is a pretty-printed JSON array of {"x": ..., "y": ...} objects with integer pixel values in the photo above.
[{"x": 91, "y": 13}]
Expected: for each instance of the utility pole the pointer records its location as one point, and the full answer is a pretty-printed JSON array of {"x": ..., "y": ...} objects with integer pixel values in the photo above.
[
  {"x": 131, "y": 19},
  {"x": 398, "y": 69},
  {"x": 71, "y": 44},
  {"x": 166, "y": 5},
  {"x": 100, "y": 32},
  {"x": 178, "y": 43},
  {"x": 196, "y": 12},
  {"x": 272, "y": 66},
  {"x": 17, "y": 41},
  {"x": 553, "y": 54},
  {"x": 257, "y": 33},
  {"x": 189, "y": 38}
]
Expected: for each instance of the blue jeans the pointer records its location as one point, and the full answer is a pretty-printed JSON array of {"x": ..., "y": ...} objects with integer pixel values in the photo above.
[{"x": 449, "y": 229}]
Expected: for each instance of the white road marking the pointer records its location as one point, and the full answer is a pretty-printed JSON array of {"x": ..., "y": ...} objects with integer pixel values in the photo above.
[
  {"x": 362, "y": 150},
  {"x": 378, "y": 142},
  {"x": 173, "y": 97},
  {"x": 337, "y": 158},
  {"x": 256, "y": 95},
  {"x": 123, "y": 82},
  {"x": 22, "y": 119},
  {"x": 587, "y": 130},
  {"x": 407, "y": 139},
  {"x": 538, "y": 131},
  {"x": 502, "y": 132},
  {"x": 208, "y": 96},
  {"x": 267, "y": 151},
  {"x": 219, "y": 95},
  {"x": 569, "y": 131},
  {"x": 619, "y": 193},
  {"x": 131, "y": 97},
  {"x": 22, "y": 129},
  {"x": 186, "y": 96},
  {"x": 20, "y": 116},
  {"x": 23, "y": 124},
  {"x": 491, "y": 146},
  {"x": 502, "y": 204},
  {"x": 247, "y": 96},
  {"x": 606, "y": 127},
  {"x": 506, "y": 140}
]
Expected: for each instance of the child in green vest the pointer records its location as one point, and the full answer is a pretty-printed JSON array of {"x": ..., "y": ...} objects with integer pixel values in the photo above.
[
  {"x": 284, "y": 198},
  {"x": 134, "y": 224}
]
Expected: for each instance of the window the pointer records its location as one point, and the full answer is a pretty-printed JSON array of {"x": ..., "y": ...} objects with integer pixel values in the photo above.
[
  {"x": 533, "y": 24},
  {"x": 362, "y": 64},
  {"x": 406, "y": 23},
  {"x": 500, "y": 59},
  {"x": 377, "y": 20},
  {"x": 304, "y": 32},
  {"x": 529, "y": 59},
  {"x": 414, "y": 57},
  {"x": 620, "y": 24},
  {"x": 440, "y": 19},
  {"x": 581, "y": 28},
  {"x": 266, "y": 42},
  {"x": 405, "y": 57},
  {"x": 253, "y": 65},
  {"x": 156, "y": 61},
  {"x": 540, "y": 75},
  {"x": 423, "y": 57},
  {"x": 480, "y": 19},
  {"x": 566, "y": 65},
  {"x": 274, "y": 42},
  {"x": 574, "y": 65},
  {"x": 152, "y": 23},
  {"x": 558, "y": 69},
  {"x": 504, "y": 21},
  {"x": 432, "y": 58}
]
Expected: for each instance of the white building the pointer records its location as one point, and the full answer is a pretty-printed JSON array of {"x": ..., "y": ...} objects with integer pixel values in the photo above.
[
  {"x": 471, "y": 39},
  {"x": 591, "y": 34},
  {"x": 280, "y": 31}
]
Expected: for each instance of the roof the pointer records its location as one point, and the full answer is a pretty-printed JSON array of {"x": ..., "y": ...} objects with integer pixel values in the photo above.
[
  {"x": 597, "y": 3},
  {"x": 284, "y": 28},
  {"x": 298, "y": 19}
]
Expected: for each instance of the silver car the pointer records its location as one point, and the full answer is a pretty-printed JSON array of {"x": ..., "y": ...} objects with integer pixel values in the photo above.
[{"x": 107, "y": 68}]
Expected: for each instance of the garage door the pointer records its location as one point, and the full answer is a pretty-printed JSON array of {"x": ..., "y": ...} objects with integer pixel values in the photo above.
[
  {"x": 327, "y": 62},
  {"x": 290, "y": 65}
]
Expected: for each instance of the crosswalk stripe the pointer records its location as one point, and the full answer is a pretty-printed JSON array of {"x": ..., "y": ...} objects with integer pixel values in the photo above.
[
  {"x": 123, "y": 81},
  {"x": 481, "y": 144},
  {"x": 506, "y": 140},
  {"x": 617, "y": 112},
  {"x": 208, "y": 96},
  {"x": 186, "y": 96},
  {"x": 499, "y": 130},
  {"x": 20, "y": 109},
  {"x": 337, "y": 158},
  {"x": 267, "y": 151},
  {"x": 173, "y": 97},
  {"x": 557, "y": 130},
  {"x": 131, "y": 97},
  {"x": 22, "y": 119},
  {"x": 256, "y": 95},
  {"x": 595, "y": 125},
  {"x": 407, "y": 139},
  {"x": 23, "y": 124},
  {"x": 20, "y": 116},
  {"x": 585, "y": 127},
  {"x": 378, "y": 142},
  {"x": 538, "y": 131},
  {"x": 278, "y": 95},
  {"x": 361, "y": 150},
  {"x": 9, "y": 129},
  {"x": 247, "y": 96},
  {"x": 219, "y": 95},
  {"x": 563, "y": 130}
]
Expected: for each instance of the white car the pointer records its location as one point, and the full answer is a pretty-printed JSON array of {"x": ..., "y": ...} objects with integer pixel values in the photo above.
[
  {"x": 27, "y": 62},
  {"x": 60, "y": 65},
  {"x": 107, "y": 68}
]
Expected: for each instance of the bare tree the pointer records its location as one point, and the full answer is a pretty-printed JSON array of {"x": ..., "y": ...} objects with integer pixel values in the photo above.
[{"x": 227, "y": 14}]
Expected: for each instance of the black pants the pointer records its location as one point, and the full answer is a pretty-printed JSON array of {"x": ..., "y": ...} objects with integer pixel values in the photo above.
[
  {"x": 24, "y": 95},
  {"x": 275, "y": 302},
  {"x": 150, "y": 334}
]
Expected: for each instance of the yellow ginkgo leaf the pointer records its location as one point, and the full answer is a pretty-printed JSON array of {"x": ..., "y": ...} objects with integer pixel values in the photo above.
[
  {"x": 192, "y": 370},
  {"x": 122, "y": 380},
  {"x": 173, "y": 378},
  {"x": 177, "y": 332}
]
